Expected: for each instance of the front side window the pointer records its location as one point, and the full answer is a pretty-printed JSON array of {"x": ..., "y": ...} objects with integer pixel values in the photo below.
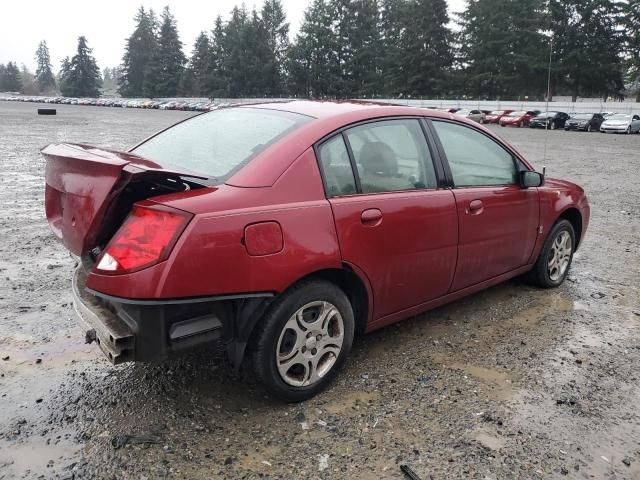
[
  {"x": 391, "y": 155},
  {"x": 216, "y": 144},
  {"x": 474, "y": 158}
]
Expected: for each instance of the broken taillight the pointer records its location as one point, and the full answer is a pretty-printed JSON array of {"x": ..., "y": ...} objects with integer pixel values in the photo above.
[{"x": 144, "y": 239}]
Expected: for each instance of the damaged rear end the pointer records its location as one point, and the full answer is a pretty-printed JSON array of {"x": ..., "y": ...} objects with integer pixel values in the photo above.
[{"x": 100, "y": 205}]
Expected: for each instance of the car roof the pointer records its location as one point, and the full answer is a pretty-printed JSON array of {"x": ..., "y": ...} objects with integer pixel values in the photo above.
[
  {"x": 329, "y": 117},
  {"x": 322, "y": 109}
]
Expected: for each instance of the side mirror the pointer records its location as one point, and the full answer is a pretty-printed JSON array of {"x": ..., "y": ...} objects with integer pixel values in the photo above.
[{"x": 531, "y": 179}]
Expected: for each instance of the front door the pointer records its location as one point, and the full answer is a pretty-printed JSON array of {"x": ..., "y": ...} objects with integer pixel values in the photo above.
[
  {"x": 498, "y": 219},
  {"x": 392, "y": 221}
]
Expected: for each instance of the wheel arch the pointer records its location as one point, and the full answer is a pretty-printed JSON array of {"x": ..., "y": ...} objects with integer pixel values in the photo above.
[
  {"x": 353, "y": 285},
  {"x": 573, "y": 215}
]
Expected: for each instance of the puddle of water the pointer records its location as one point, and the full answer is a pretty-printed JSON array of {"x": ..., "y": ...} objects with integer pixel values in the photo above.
[
  {"x": 350, "y": 402},
  {"x": 499, "y": 382},
  {"x": 547, "y": 305},
  {"x": 35, "y": 458},
  {"x": 492, "y": 442}
]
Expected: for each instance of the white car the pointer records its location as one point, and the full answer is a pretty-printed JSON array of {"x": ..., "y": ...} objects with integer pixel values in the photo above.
[
  {"x": 475, "y": 115},
  {"x": 621, "y": 123}
]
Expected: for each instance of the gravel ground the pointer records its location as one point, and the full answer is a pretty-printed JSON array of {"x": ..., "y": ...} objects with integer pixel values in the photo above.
[{"x": 513, "y": 382}]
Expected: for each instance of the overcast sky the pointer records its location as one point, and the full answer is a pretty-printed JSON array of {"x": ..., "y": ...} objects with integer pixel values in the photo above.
[{"x": 107, "y": 24}]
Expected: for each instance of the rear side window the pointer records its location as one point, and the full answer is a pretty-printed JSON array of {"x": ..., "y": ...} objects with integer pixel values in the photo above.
[
  {"x": 391, "y": 155},
  {"x": 336, "y": 168},
  {"x": 475, "y": 159},
  {"x": 218, "y": 143}
]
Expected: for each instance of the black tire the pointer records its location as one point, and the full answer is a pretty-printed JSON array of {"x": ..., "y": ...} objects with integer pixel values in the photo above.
[
  {"x": 589, "y": 128},
  {"x": 540, "y": 273},
  {"x": 264, "y": 342},
  {"x": 552, "y": 125}
]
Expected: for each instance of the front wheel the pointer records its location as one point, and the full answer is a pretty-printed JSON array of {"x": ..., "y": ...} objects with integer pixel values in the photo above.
[
  {"x": 552, "y": 126},
  {"x": 555, "y": 258},
  {"x": 303, "y": 340},
  {"x": 629, "y": 130}
]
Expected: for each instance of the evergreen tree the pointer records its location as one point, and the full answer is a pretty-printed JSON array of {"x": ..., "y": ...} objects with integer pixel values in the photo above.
[
  {"x": 139, "y": 49},
  {"x": 235, "y": 48},
  {"x": 313, "y": 63},
  {"x": 44, "y": 76},
  {"x": 162, "y": 73},
  {"x": 587, "y": 46},
  {"x": 81, "y": 76},
  {"x": 29, "y": 86},
  {"x": 632, "y": 28},
  {"x": 502, "y": 47},
  {"x": 12, "y": 81},
  {"x": 216, "y": 83},
  {"x": 427, "y": 42},
  {"x": 199, "y": 66},
  {"x": 277, "y": 36},
  {"x": 393, "y": 18},
  {"x": 3, "y": 70}
]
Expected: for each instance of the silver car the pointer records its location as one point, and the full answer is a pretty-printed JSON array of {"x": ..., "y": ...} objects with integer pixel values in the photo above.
[
  {"x": 475, "y": 115},
  {"x": 621, "y": 123}
]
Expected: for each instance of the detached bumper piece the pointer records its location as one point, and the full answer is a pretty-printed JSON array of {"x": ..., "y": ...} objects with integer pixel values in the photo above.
[{"x": 148, "y": 331}]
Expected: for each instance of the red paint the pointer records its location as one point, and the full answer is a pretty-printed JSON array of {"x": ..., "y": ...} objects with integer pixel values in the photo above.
[
  {"x": 263, "y": 238},
  {"x": 520, "y": 120},
  {"x": 495, "y": 117},
  {"x": 271, "y": 225}
]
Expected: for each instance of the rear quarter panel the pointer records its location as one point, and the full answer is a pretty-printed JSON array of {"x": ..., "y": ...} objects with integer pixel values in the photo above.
[{"x": 210, "y": 257}]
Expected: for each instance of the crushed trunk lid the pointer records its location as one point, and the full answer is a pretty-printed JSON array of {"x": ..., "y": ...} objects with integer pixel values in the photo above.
[{"x": 83, "y": 184}]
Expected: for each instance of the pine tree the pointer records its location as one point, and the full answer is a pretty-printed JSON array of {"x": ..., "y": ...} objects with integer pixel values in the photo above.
[
  {"x": 162, "y": 73},
  {"x": 199, "y": 66},
  {"x": 3, "y": 70},
  {"x": 44, "y": 76},
  {"x": 12, "y": 81},
  {"x": 139, "y": 49},
  {"x": 393, "y": 17},
  {"x": 235, "y": 58},
  {"x": 216, "y": 82},
  {"x": 587, "y": 46},
  {"x": 427, "y": 42},
  {"x": 81, "y": 76},
  {"x": 314, "y": 63},
  {"x": 277, "y": 33},
  {"x": 632, "y": 28}
]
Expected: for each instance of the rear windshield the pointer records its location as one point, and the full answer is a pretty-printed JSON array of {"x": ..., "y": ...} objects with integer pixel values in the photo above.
[
  {"x": 517, "y": 114},
  {"x": 218, "y": 143},
  {"x": 582, "y": 116}
]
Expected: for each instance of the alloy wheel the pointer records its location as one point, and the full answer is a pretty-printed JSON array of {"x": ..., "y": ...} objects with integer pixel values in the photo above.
[
  {"x": 560, "y": 256},
  {"x": 310, "y": 344}
]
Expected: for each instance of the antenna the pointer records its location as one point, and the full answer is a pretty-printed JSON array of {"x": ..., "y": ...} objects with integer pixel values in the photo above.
[{"x": 546, "y": 125}]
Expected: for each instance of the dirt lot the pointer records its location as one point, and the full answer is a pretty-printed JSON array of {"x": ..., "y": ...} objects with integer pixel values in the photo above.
[{"x": 513, "y": 382}]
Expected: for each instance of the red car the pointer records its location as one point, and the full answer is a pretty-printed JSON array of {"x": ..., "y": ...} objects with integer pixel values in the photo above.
[
  {"x": 496, "y": 115},
  {"x": 282, "y": 230},
  {"x": 518, "y": 118}
]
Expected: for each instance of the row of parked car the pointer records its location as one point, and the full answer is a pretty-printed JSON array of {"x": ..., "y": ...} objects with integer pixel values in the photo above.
[
  {"x": 606, "y": 122},
  {"x": 199, "y": 106}
]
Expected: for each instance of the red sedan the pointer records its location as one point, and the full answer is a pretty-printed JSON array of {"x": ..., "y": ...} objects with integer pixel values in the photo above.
[
  {"x": 496, "y": 115},
  {"x": 518, "y": 118},
  {"x": 281, "y": 230}
]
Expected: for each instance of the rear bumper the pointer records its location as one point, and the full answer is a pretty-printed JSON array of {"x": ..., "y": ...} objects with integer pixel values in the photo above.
[{"x": 150, "y": 331}]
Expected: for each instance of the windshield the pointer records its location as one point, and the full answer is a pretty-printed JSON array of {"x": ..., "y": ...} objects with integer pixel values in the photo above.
[
  {"x": 547, "y": 114},
  {"x": 463, "y": 112},
  {"x": 620, "y": 116},
  {"x": 517, "y": 114},
  {"x": 497, "y": 112},
  {"x": 582, "y": 116},
  {"x": 217, "y": 143}
]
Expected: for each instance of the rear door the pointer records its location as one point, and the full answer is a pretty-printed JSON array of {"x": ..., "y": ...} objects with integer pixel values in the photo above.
[
  {"x": 393, "y": 222},
  {"x": 498, "y": 219}
]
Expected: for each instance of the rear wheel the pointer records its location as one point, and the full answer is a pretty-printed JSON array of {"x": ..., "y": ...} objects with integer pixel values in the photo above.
[
  {"x": 303, "y": 340},
  {"x": 552, "y": 125},
  {"x": 589, "y": 128},
  {"x": 629, "y": 130},
  {"x": 555, "y": 258}
]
